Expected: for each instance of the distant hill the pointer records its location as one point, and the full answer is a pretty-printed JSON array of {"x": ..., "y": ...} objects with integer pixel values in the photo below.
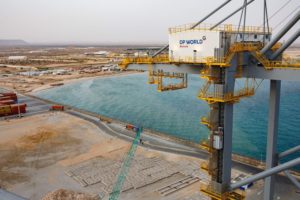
[{"x": 13, "y": 43}]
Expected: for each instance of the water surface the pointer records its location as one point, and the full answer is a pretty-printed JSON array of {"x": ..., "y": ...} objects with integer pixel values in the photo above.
[{"x": 131, "y": 99}]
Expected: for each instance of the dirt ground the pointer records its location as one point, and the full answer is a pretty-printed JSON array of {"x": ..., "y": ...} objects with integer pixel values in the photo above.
[
  {"x": 67, "y": 195},
  {"x": 31, "y": 144},
  {"x": 27, "y": 84},
  {"x": 37, "y": 151}
]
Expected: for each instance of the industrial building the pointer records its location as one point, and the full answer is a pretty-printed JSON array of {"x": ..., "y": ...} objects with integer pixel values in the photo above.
[
  {"x": 200, "y": 43},
  {"x": 97, "y": 53},
  {"x": 17, "y": 58}
]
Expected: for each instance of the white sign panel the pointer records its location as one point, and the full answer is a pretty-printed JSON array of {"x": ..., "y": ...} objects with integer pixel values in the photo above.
[{"x": 193, "y": 44}]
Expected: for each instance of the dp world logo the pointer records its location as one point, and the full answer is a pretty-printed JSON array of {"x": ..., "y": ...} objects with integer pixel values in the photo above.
[{"x": 185, "y": 43}]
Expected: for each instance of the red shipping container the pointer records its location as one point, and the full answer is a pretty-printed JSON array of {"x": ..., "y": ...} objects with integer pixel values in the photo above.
[
  {"x": 8, "y": 94},
  {"x": 7, "y": 102},
  {"x": 8, "y": 98},
  {"x": 15, "y": 98},
  {"x": 15, "y": 111},
  {"x": 5, "y": 98},
  {"x": 129, "y": 126},
  {"x": 57, "y": 107},
  {"x": 16, "y": 107}
]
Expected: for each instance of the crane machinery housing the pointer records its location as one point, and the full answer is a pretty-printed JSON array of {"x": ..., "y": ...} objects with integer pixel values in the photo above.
[{"x": 223, "y": 53}]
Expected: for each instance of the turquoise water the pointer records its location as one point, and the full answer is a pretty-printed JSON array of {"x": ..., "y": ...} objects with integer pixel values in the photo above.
[{"x": 130, "y": 98}]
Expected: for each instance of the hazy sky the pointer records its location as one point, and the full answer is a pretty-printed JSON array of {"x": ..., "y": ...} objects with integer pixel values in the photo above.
[{"x": 119, "y": 21}]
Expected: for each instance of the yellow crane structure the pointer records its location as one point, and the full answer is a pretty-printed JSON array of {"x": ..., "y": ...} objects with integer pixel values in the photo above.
[{"x": 251, "y": 57}]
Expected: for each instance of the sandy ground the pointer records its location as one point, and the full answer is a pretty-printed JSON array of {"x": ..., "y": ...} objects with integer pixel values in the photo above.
[
  {"x": 36, "y": 151},
  {"x": 27, "y": 84},
  {"x": 72, "y": 80},
  {"x": 31, "y": 148}
]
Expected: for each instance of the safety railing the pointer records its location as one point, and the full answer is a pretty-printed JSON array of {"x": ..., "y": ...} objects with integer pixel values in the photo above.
[
  {"x": 204, "y": 166},
  {"x": 240, "y": 46},
  {"x": 144, "y": 60},
  {"x": 222, "y": 27},
  {"x": 205, "y": 121},
  {"x": 225, "y": 61},
  {"x": 212, "y": 97},
  {"x": 213, "y": 93},
  {"x": 156, "y": 77},
  {"x": 213, "y": 190},
  {"x": 205, "y": 145}
]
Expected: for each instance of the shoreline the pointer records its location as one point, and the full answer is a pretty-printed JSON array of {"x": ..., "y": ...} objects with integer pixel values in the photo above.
[
  {"x": 74, "y": 80},
  {"x": 238, "y": 160},
  {"x": 245, "y": 160}
]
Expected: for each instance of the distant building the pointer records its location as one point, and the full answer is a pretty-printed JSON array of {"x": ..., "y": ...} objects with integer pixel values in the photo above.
[
  {"x": 110, "y": 68},
  {"x": 141, "y": 54},
  {"x": 97, "y": 53},
  {"x": 35, "y": 72},
  {"x": 17, "y": 57},
  {"x": 38, "y": 51},
  {"x": 60, "y": 72}
]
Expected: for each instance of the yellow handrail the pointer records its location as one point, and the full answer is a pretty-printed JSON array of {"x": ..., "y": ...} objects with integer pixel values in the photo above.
[
  {"x": 253, "y": 48},
  {"x": 222, "y": 27}
]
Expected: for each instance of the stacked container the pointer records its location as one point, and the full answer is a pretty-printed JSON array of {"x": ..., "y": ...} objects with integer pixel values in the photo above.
[{"x": 8, "y": 104}]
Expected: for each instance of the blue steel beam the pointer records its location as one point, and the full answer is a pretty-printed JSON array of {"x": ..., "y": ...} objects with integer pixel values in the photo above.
[
  {"x": 250, "y": 71},
  {"x": 266, "y": 173},
  {"x": 281, "y": 33}
]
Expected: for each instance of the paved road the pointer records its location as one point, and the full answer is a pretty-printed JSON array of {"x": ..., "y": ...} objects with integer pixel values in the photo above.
[
  {"x": 5, "y": 195},
  {"x": 157, "y": 143},
  {"x": 34, "y": 106},
  {"x": 149, "y": 141}
]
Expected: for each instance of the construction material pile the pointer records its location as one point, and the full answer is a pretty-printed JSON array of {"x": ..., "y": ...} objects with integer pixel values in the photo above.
[
  {"x": 62, "y": 194},
  {"x": 9, "y": 106}
]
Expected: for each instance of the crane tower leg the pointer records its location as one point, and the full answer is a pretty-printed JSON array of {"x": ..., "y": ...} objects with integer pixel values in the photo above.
[
  {"x": 228, "y": 122},
  {"x": 221, "y": 115},
  {"x": 271, "y": 157}
]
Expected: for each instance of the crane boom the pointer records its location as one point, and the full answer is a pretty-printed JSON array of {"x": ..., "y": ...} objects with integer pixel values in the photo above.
[{"x": 114, "y": 195}]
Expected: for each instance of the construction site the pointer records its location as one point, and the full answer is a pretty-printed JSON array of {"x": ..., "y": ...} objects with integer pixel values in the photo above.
[{"x": 55, "y": 151}]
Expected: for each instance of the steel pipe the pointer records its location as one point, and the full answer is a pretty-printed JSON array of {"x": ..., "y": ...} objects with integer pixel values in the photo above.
[
  {"x": 271, "y": 151},
  {"x": 159, "y": 51},
  {"x": 210, "y": 14},
  {"x": 281, "y": 33},
  {"x": 288, "y": 152},
  {"x": 279, "y": 51},
  {"x": 230, "y": 15},
  {"x": 266, "y": 173},
  {"x": 292, "y": 179}
]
